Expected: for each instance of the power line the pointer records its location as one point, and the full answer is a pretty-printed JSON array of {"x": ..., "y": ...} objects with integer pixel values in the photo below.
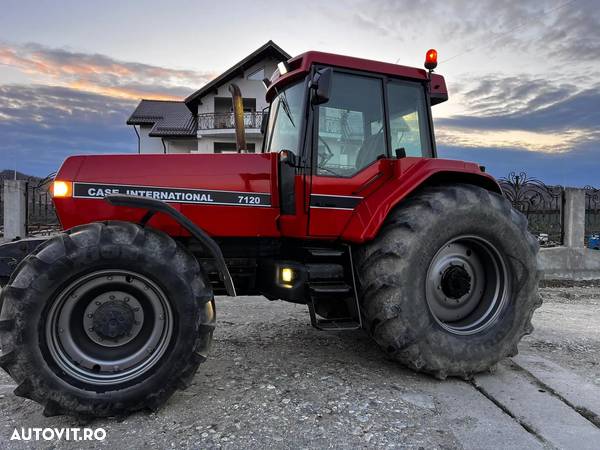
[{"x": 489, "y": 44}]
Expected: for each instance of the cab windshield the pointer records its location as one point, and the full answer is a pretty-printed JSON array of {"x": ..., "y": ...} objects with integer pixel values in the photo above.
[{"x": 285, "y": 120}]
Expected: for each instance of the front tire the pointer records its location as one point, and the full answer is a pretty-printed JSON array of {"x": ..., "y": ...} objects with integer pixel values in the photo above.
[
  {"x": 104, "y": 320},
  {"x": 450, "y": 284}
]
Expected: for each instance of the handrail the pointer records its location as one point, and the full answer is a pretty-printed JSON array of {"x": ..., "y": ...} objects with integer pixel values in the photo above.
[{"x": 225, "y": 120}]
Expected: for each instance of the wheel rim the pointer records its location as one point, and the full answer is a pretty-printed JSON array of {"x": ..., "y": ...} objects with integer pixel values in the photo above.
[
  {"x": 109, "y": 327},
  {"x": 467, "y": 285}
]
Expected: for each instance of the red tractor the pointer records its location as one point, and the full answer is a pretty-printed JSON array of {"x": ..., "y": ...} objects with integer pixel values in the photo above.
[{"x": 347, "y": 210}]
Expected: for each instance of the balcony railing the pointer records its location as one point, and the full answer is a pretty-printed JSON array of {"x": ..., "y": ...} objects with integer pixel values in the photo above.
[{"x": 218, "y": 121}]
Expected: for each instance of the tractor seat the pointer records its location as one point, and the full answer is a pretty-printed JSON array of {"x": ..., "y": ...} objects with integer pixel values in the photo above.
[{"x": 370, "y": 150}]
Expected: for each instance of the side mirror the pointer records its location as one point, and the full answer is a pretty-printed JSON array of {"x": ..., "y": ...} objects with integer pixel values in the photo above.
[
  {"x": 321, "y": 86},
  {"x": 264, "y": 120},
  {"x": 289, "y": 158}
]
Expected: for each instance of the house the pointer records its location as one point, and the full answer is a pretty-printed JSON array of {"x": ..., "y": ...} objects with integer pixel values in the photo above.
[{"x": 203, "y": 122}]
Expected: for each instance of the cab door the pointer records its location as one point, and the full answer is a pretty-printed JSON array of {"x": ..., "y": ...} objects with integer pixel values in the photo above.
[{"x": 349, "y": 151}]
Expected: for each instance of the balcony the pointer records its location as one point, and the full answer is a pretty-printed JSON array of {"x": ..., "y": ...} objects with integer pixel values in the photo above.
[{"x": 225, "y": 121}]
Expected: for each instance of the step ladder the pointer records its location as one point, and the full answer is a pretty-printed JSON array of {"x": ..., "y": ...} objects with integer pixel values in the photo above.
[{"x": 341, "y": 290}]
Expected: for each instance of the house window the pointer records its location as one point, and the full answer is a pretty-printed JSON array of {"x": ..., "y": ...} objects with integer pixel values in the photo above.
[
  {"x": 220, "y": 147},
  {"x": 257, "y": 75}
]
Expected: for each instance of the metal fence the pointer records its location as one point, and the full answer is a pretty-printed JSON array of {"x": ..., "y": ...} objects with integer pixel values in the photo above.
[
  {"x": 2, "y": 208},
  {"x": 41, "y": 216},
  {"x": 592, "y": 212},
  {"x": 541, "y": 204}
]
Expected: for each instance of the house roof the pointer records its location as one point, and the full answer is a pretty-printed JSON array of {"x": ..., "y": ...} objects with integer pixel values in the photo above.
[
  {"x": 270, "y": 49},
  {"x": 170, "y": 118}
]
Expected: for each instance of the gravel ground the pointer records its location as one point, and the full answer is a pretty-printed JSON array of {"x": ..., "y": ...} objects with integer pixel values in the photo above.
[
  {"x": 272, "y": 381},
  {"x": 567, "y": 329}
]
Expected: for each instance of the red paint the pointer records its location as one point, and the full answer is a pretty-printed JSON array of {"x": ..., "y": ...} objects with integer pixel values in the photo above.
[
  {"x": 382, "y": 185},
  {"x": 301, "y": 65},
  {"x": 228, "y": 172},
  {"x": 408, "y": 175}
]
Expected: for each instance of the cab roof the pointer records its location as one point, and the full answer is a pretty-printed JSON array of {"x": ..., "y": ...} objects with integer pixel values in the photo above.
[{"x": 300, "y": 65}]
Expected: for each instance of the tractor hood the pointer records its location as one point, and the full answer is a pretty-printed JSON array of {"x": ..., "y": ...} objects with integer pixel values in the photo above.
[{"x": 236, "y": 187}]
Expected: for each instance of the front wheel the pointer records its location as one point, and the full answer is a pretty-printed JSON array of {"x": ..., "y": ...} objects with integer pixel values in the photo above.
[
  {"x": 104, "y": 320},
  {"x": 450, "y": 284}
]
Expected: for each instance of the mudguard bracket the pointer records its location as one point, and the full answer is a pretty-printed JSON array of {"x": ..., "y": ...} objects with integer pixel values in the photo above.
[{"x": 154, "y": 206}]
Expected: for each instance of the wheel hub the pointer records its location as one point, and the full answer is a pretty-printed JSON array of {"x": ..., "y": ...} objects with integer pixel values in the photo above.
[
  {"x": 466, "y": 285},
  {"x": 456, "y": 282},
  {"x": 113, "y": 320}
]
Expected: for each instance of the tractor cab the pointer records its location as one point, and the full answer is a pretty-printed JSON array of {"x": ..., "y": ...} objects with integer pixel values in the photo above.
[
  {"x": 337, "y": 123},
  {"x": 355, "y": 110}
]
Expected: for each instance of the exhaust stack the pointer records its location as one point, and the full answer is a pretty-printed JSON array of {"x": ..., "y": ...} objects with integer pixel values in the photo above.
[{"x": 238, "y": 117}]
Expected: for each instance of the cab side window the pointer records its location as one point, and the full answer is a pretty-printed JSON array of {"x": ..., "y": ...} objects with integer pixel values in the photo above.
[
  {"x": 351, "y": 132},
  {"x": 408, "y": 118}
]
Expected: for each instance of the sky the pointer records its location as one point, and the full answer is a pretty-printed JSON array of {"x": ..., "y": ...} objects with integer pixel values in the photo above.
[{"x": 523, "y": 76}]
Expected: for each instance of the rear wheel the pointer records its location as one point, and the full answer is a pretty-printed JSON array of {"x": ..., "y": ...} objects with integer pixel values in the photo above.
[
  {"x": 450, "y": 284},
  {"x": 104, "y": 320}
]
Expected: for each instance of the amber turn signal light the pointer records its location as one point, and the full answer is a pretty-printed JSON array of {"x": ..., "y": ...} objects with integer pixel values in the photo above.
[{"x": 61, "y": 188}]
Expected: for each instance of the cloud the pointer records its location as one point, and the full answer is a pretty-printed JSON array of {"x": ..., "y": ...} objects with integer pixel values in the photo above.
[
  {"x": 520, "y": 111},
  {"x": 101, "y": 74},
  {"x": 42, "y": 125},
  {"x": 563, "y": 30}
]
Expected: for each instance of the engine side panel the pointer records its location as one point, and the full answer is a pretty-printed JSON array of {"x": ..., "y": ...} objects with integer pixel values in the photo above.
[{"x": 225, "y": 194}]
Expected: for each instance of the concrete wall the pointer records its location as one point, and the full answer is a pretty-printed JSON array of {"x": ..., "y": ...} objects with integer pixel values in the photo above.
[
  {"x": 15, "y": 209},
  {"x": 567, "y": 263},
  {"x": 572, "y": 261}
]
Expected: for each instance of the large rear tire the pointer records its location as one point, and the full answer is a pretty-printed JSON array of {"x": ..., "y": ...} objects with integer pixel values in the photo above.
[
  {"x": 450, "y": 284},
  {"x": 105, "y": 319}
]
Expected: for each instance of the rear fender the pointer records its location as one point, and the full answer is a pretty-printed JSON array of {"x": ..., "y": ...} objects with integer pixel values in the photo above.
[{"x": 410, "y": 174}]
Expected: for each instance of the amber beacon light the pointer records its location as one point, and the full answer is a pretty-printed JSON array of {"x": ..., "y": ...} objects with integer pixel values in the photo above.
[{"x": 431, "y": 59}]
